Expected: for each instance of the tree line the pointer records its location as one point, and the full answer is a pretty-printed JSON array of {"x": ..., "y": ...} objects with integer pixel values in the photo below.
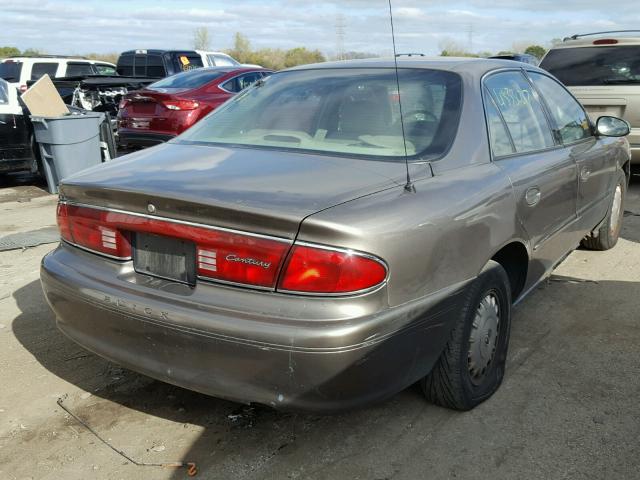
[{"x": 278, "y": 58}]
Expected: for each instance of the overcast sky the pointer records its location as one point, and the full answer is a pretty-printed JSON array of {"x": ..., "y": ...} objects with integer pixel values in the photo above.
[{"x": 83, "y": 26}]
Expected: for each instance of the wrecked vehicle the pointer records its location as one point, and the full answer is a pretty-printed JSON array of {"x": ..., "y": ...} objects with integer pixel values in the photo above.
[
  {"x": 17, "y": 145},
  {"x": 339, "y": 232}
]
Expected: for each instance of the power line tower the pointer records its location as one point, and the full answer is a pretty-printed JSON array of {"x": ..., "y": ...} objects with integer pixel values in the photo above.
[
  {"x": 470, "y": 36},
  {"x": 340, "y": 34}
]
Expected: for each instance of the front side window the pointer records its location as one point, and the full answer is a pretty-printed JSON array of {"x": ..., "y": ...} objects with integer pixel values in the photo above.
[
  {"x": 570, "y": 119},
  {"x": 499, "y": 137},
  {"x": 521, "y": 110},
  {"x": 40, "y": 69},
  {"x": 341, "y": 111}
]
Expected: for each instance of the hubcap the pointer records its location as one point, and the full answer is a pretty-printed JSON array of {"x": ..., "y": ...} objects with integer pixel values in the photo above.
[
  {"x": 483, "y": 339},
  {"x": 615, "y": 210}
]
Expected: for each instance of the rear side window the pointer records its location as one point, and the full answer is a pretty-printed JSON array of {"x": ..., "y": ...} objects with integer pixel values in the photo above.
[
  {"x": 570, "y": 119},
  {"x": 125, "y": 66},
  {"x": 241, "y": 82},
  {"x": 39, "y": 69},
  {"x": 521, "y": 110},
  {"x": 193, "y": 79},
  {"x": 612, "y": 65},
  {"x": 80, "y": 69},
  {"x": 221, "y": 60},
  {"x": 499, "y": 137},
  {"x": 10, "y": 71}
]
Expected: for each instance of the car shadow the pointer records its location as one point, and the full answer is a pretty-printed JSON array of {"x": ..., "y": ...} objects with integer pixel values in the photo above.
[
  {"x": 551, "y": 330},
  {"x": 231, "y": 432}
]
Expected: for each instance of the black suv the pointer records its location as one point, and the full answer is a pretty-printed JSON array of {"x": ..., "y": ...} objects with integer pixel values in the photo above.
[{"x": 157, "y": 63}]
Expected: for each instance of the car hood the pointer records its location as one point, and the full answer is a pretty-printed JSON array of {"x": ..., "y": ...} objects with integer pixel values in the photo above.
[{"x": 256, "y": 190}]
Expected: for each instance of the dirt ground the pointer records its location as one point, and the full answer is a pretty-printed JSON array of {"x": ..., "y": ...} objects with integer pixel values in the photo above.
[{"x": 568, "y": 407}]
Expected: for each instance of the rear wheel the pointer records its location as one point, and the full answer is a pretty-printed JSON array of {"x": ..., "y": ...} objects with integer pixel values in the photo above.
[
  {"x": 471, "y": 366},
  {"x": 607, "y": 235}
]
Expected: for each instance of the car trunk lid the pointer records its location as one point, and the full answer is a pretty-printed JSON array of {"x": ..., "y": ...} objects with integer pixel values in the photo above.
[{"x": 260, "y": 191}]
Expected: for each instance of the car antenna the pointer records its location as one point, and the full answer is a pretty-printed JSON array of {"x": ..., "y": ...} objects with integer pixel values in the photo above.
[{"x": 409, "y": 186}]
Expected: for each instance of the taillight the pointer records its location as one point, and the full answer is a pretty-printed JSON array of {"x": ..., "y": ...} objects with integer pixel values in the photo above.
[
  {"x": 222, "y": 254},
  {"x": 23, "y": 88},
  {"x": 123, "y": 103},
  {"x": 605, "y": 41},
  {"x": 228, "y": 255},
  {"x": 181, "y": 104},
  {"x": 312, "y": 269},
  {"x": 92, "y": 229}
]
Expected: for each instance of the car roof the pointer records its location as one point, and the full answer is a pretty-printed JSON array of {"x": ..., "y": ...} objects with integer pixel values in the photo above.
[
  {"x": 38, "y": 58},
  {"x": 456, "y": 64},
  {"x": 146, "y": 51}
]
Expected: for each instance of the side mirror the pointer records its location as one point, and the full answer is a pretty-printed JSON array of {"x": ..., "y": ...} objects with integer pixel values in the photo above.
[{"x": 612, "y": 127}]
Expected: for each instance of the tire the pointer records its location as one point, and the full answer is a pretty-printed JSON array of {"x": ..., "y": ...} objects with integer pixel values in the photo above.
[
  {"x": 458, "y": 380},
  {"x": 607, "y": 235}
]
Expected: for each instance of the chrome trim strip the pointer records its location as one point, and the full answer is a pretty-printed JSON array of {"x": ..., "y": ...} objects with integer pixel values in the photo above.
[
  {"x": 180, "y": 222},
  {"x": 234, "y": 284},
  {"x": 112, "y": 257}
]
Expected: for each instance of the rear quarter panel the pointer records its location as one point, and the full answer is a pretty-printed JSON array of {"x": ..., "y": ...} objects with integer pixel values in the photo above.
[{"x": 437, "y": 236}]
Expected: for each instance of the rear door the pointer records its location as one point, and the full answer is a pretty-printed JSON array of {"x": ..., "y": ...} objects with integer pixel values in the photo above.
[
  {"x": 542, "y": 172},
  {"x": 596, "y": 165}
]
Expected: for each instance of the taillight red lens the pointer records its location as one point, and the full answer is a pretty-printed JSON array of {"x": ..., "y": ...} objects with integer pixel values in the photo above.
[
  {"x": 605, "y": 41},
  {"x": 318, "y": 270},
  {"x": 221, "y": 255},
  {"x": 181, "y": 104},
  {"x": 93, "y": 229}
]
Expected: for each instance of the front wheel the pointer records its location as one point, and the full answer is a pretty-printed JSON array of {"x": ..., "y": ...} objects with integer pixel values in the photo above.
[
  {"x": 471, "y": 367},
  {"x": 607, "y": 235}
]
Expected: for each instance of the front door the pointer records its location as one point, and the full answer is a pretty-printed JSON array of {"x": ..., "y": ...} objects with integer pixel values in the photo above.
[
  {"x": 595, "y": 161},
  {"x": 542, "y": 172}
]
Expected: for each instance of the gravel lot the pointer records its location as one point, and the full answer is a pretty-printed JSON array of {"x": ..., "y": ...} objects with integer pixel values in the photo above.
[{"x": 568, "y": 407}]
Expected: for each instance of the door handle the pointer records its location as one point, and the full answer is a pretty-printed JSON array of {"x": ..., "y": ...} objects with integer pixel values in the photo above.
[
  {"x": 532, "y": 196},
  {"x": 585, "y": 173}
]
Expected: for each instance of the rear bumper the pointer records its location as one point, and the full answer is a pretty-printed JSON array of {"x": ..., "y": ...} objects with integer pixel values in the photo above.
[
  {"x": 141, "y": 139},
  {"x": 288, "y": 352}
]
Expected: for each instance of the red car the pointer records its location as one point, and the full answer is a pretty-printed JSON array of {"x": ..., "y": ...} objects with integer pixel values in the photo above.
[{"x": 169, "y": 106}]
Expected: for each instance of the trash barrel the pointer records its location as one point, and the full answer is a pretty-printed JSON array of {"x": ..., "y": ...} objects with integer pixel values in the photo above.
[{"x": 68, "y": 144}]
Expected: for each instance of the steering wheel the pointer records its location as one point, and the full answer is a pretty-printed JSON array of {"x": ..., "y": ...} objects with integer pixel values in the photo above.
[{"x": 419, "y": 116}]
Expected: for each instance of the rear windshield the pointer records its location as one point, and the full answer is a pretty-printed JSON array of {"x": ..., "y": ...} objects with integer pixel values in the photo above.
[
  {"x": 611, "y": 65},
  {"x": 184, "y": 62},
  {"x": 10, "y": 71},
  {"x": 341, "y": 111},
  {"x": 191, "y": 79}
]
